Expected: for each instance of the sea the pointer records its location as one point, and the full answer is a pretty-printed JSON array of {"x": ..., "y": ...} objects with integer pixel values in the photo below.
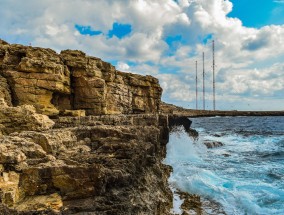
[{"x": 245, "y": 175}]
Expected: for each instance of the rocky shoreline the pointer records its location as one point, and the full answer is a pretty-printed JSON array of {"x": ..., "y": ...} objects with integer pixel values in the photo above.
[
  {"x": 79, "y": 137},
  {"x": 111, "y": 167}
]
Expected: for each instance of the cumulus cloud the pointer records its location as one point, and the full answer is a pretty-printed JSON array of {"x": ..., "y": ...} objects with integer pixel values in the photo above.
[
  {"x": 176, "y": 88},
  {"x": 143, "y": 68},
  {"x": 247, "y": 58},
  {"x": 255, "y": 82},
  {"x": 123, "y": 66}
]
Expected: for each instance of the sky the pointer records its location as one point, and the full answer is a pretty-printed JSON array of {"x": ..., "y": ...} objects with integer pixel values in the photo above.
[{"x": 165, "y": 38}]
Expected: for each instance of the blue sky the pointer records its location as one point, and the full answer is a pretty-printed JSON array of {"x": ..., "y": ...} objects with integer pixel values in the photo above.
[
  {"x": 258, "y": 13},
  {"x": 165, "y": 38}
]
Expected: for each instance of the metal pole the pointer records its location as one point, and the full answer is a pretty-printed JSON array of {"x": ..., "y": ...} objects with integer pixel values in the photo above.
[
  {"x": 196, "y": 85},
  {"x": 203, "y": 82},
  {"x": 214, "y": 102}
]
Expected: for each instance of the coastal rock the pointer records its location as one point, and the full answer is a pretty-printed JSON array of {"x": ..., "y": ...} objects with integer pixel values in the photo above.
[
  {"x": 5, "y": 91},
  {"x": 194, "y": 204},
  {"x": 16, "y": 119},
  {"x": 79, "y": 137},
  {"x": 106, "y": 168},
  {"x": 176, "y": 121},
  {"x": 72, "y": 80},
  {"x": 33, "y": 75},
  {"x": 191, "y": 203},
  {"x": 213, "y": 144},
  {"x": 100, "y": 89}
]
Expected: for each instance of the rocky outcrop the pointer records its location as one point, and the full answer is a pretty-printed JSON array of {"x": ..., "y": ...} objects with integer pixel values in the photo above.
[
  {"x": 34, "y": 75},
  {"x": 112, "y": 166},
  {"x": 21, "y": 118},
  {"x": 96, "y": 155},
  {"x": 213, "y": 144},
  {"x": 72, "y": 81},
  {"x": 176, "y": 122}
]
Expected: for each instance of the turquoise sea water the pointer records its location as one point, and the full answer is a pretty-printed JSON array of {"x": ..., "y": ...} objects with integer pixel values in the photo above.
[{"x": 246, "y": 175}]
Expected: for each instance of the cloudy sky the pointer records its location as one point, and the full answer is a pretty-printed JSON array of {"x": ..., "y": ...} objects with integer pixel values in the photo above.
[{"x": 165, "y": 38}]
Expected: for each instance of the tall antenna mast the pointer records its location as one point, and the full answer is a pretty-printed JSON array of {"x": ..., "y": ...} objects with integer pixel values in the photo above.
[
  {"x": 213, "y": 49},
  {"x": 203, "y": 82},
  {"x": 196, "y": 85}
]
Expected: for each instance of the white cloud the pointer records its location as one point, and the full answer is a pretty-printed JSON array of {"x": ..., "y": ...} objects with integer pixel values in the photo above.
[
  {"x": 177, "y": 88},
  {"x": 279, "y": 1},
  {"x": 143, "y": 69},
  {"x": 256, "y": 82},
  {"x": 247, "y": 58},
  {"x": 123, "y": 66}
]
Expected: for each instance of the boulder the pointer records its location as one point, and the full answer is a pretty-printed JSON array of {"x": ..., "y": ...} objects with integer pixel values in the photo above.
[{"x": 213, "y": 144}]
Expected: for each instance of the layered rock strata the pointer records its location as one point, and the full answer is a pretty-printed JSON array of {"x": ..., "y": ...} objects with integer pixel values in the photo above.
[
  {"x": 108, "y": 162},
  {"x": 102, "y": 165},
  {"x": 72, "y": 80}
]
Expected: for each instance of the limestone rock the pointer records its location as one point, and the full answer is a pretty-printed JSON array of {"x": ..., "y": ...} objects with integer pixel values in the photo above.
[
  {"x": 77, "y": 163},
  {"x": 80, "y": 113},
  {"x": 15, "y": 119},
  {"x": 5, "y": 91},
  {"x": 72, "y": 80},
  {"x": 41, "y": 203},
  {"x": 112, "y": 167},
  {"x": 2, "y": 42},
  {"x": 34, "y": 74},
  {"x": 100, "y": 89}
]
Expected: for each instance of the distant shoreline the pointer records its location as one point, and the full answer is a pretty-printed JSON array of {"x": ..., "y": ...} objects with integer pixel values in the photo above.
[
  {"x": 179, "y": 111},
  {"x": 202, "y": 113}
]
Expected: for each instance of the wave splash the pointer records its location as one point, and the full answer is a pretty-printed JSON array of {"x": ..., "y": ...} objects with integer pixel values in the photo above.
[{"x": 245, "y": 175}]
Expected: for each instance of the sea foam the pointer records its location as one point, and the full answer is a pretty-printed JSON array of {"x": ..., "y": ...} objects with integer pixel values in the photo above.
[{"x": 245, "y": 175}]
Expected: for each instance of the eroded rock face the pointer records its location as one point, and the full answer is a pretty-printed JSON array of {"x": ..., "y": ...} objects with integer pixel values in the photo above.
[
  {"x": 100, "y": 89},
  {"x": 16, "y": 119},
  {"x": 33, "y": 75},
  {"x": 110, "y": 163},
  {"x": 5, "y": 92},
  {"x": 112, "y": 166},
  {"x": 72, "y": 81}
]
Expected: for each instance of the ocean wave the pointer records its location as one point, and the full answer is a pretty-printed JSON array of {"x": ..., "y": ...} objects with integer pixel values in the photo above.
[{"x": 248, "y": 180}]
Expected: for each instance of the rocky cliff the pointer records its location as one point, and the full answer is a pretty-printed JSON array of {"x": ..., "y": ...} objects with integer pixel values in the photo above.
[
  {"x": 72, "y": 80},
  {"x": 107, "y": 162}
]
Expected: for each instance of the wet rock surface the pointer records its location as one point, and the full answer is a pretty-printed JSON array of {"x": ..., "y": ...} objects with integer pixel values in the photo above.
[
  {"x": 213, "y": 144},
  {"x": 195, "y": 205}
]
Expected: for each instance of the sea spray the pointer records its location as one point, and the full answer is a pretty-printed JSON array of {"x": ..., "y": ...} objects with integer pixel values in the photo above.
[{"x": 245, "y": 175}]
